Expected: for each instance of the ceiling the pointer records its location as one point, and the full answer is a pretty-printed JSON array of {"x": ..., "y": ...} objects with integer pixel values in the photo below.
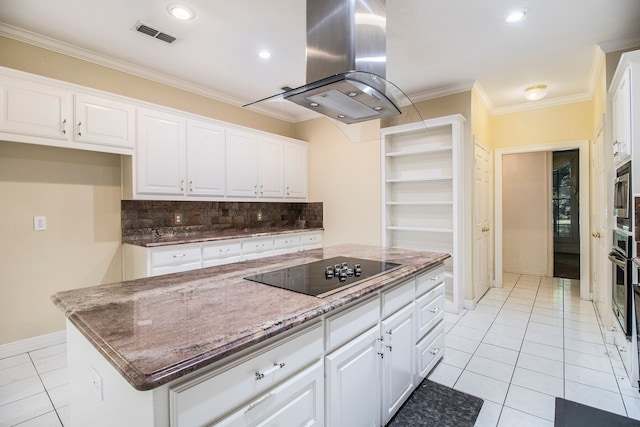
[{"x": 434, "y": 47}]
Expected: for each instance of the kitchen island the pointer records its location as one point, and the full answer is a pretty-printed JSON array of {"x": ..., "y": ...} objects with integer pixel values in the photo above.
[{"x": 146, "y": 352}]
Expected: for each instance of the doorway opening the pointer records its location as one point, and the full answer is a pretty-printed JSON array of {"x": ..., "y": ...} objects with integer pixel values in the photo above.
[{"x": 566, "y": 214}]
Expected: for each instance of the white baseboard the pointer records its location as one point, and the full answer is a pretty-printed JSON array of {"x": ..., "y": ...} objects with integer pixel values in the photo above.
[
  {"x": 31, "y": 344},
  {"x": 470, "y": 304}
]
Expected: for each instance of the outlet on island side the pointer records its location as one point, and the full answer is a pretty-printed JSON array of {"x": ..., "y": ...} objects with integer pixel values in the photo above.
[
  {"x": 96, "y": 383},
  {"x": 177, "y": 218},
  {"x": 259, "y": 216},
  {"x": 39, "y": 223}
]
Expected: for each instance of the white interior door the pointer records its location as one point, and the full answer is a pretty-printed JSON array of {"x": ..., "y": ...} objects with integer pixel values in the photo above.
[
  {"x": 599, "y": 263},
  {"x": 481, "y": 221}
]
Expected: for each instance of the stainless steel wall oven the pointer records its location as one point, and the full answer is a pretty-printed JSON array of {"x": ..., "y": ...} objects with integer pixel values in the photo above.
[{"x": 621, "y": 258}]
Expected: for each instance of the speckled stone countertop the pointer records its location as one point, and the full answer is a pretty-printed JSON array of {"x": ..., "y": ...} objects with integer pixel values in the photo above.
[
  {"x": 157, "y": 329},
  {"x": 151, "y": 240}
]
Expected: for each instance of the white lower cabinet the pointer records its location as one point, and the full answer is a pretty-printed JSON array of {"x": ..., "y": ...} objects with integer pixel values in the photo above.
[
  {"x": 297, "y": 402},
  {"x": 353, "y": 382},
  {"x": 398, "y": 379},
  {"x": 141, "y": 262}
]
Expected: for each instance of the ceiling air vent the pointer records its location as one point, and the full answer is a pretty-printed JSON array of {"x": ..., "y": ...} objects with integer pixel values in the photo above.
[{"x": 156, "y": 34}]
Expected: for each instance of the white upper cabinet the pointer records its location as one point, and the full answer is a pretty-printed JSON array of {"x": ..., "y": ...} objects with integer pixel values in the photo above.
[
  {"x": 206, "y": 147},
  {"x": 242, "y": 164},
  {"x": 103, "y": 121},
  {"x": 161, "y": 153},
  {"x": 295, "y": 167},
  {"x": 271, "y": 169},
  {"x": 621, "y": 102},
  {"x": 37, "y": 110}
]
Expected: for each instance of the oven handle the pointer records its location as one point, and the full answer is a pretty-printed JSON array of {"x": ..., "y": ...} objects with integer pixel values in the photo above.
[{"x": 616, "y": 260}]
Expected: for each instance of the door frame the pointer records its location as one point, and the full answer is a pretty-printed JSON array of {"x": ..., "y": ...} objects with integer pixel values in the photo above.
[
  {"x": 479, "y": 143},
  {"x": 585, "y": 250}
]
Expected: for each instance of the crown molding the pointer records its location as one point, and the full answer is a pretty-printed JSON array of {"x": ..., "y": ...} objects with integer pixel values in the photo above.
[
  {"x": 535, "y": 105},
  {"x": 54, "y": 45},
  {"x": 614, "y": 45},
  {"x": 439, "y": 92},
  {"x": 482, "y": 96}
]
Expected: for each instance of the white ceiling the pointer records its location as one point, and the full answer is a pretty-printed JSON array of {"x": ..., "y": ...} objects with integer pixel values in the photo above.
[{"x": 434, "y": 47}]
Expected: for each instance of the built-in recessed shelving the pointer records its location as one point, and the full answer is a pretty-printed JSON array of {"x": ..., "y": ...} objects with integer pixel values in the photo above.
[{"x": 422, "y": 192}]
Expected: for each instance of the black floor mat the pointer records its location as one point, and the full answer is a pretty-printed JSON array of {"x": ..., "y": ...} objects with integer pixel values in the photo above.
[
  {"x": 432, "y": 404},
  {"x": 572, "y": 414}
]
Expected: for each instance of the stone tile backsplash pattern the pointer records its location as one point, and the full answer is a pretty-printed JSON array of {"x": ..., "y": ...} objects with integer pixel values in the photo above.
[{"x": 144, "y": 217}]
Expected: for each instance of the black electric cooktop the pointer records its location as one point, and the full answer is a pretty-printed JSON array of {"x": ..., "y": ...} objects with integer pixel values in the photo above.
[{"x": 323, "y": 278}]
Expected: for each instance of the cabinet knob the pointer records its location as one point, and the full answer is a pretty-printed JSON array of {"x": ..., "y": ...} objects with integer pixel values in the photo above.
[
  {"x": 389, "y": 332},
  {"x": 435, "y": 351},
  {"x": 596, "y": 234},
  {"x": 388, "y": 346},
  {"x": 435, "y": 310},
  {"x": 381, "y": 355}
]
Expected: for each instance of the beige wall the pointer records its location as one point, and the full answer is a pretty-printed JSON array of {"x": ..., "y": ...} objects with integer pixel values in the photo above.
[
  {"x": 480, "y": 121},
  {"x": 79, "y": 193},
  {"x": 568, "y": 122},
  {"x": 344, "y": 173},
  {"x": 526, "y": 228}
]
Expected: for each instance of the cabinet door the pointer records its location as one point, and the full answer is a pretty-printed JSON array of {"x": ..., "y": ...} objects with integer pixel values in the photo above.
[
  {"x": 398, "y": 363},
  {"x": 297, "y": 402},
  {"x": 295, "y": 163},
  {"x": 353, "y": 382},
  {"x": 33, "y": 109},
  {"x": 622, "y": 119},
  {"x": 103, "y": 121},
  {"x": 161, "y": 153},
  {"x": 242, "y": 164},
  {"x": 205, "y": 159},
  {"x": 271, "y": 168}
]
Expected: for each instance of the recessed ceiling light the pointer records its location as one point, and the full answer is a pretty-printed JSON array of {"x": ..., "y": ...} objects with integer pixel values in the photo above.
[
  {"x": 535, "y": 93},
  {"x": 264, "y": 54},
  {"x": 517, "y": 15},
  {"x": 181, "y": 12}
]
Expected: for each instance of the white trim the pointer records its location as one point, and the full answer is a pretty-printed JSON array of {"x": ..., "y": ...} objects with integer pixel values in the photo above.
[
  {"x": 551, "y": 102},
  {"x": 482, "y": 96},
  {"x": 612, "y": 46},
  {"x": 440, "y": 92},
  {"x": 585, "y": 250},
  {"x": 470, "y": 304},
  {"x": 31, "y": 344}
]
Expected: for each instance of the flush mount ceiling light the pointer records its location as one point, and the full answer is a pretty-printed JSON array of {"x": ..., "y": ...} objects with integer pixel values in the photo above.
[
  {"x": 264, "y": 54},
  {"x": 517, "y": 15},
  {"x": 181, "y": 12},
  {"x": 535, "y": 93}
]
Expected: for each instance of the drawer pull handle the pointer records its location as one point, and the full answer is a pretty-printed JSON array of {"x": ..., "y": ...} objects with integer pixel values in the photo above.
[
  {"x": 389, "y": 332},
  {"x": 179, "y": 256},
  {"x": 435, "y": 351},
  {"x": 381, "y": 355},
  {"x": 435, "y": 310},
  {"x": 433, "y": 279},
  {"x": 271, "y": 370},
  {"x": 258, "y": 402},
  {"x": 79, "y": 128},
  {"x": 63, "y": 127},
  {"x": 389, "y": 347}
]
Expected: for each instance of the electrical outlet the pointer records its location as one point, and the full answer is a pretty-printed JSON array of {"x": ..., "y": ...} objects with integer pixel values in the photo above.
[
  {"x": 96, "y": 383},
  {"x": 259, "y": 216},
  {"x": 177, "y": 219},
  {"x": 39, "y": 223}
]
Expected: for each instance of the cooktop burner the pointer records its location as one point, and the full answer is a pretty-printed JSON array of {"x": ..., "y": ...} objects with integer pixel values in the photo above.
[{"x": 323, "y": 278}]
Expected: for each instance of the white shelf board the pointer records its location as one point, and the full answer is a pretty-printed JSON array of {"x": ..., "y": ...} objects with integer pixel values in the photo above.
[
  {"x": 418, "y": 151},
  {"x": 425, "y": 203},
  {"x": 423, "y": 229},
  {"x": 420, "y": 179}
]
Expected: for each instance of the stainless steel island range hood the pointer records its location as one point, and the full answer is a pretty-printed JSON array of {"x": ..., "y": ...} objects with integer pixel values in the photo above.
[{"x": 346, "y": 63}]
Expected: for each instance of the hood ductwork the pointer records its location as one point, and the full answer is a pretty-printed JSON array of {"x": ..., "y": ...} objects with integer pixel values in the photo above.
[{"x": 346, "y": 63}]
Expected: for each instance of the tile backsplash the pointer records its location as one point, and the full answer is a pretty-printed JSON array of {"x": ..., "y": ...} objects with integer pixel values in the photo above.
[{"x": 144, "y": 217}]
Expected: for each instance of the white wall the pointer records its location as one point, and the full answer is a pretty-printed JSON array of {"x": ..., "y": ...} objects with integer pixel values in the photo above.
[{"x": 526, "y": 189}]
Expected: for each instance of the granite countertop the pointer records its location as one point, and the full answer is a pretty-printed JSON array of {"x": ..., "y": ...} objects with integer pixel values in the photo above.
[
  {"x": 636, "y": 261},
  {"x": 153, "y": 240},
  {"x": 157, "y": 329}
]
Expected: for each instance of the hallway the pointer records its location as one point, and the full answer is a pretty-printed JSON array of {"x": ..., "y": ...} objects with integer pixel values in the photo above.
[{"x": 525, "y": 344}]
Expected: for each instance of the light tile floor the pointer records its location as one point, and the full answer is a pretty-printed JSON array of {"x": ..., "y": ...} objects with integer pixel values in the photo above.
[
  {"x": 33, "y": 388},
  {"x": 527, "y": 343},
  {"x": 523, "y": 345}
]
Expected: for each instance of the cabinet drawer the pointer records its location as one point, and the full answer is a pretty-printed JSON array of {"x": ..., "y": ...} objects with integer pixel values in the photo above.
[
  {"x": 429, "y": 280},
  {"x": 352, "y": 322},
  {"x": 285, "y": 244},
  {"x": 396, "y": 298},
  {"x": 221, "y": 253},
  {"x": 185, "y": 254},
  {"x": 429, "y": 310},
  {"x": 206, "y": 398},
  {"x": 256, "y": 248},
  {"x": 429, "y": 351},
  {"x": 297, "y": 402},
  {"x": 311, "y": 240}
]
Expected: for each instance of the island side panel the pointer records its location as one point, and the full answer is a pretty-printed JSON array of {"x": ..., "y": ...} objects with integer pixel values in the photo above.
[{"x": 117, "y": 403}]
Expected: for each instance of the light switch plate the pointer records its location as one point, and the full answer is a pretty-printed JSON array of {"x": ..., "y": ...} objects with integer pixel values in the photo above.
[{"x": 39, "y": 223}]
